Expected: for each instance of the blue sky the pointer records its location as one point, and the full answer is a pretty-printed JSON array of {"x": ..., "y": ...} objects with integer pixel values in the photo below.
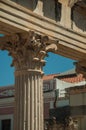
[{"x": 54, "y": 64}]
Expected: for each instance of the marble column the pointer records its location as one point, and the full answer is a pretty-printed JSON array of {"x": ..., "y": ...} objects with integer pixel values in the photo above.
[
  {"x": 28, "y": 52},
  {"x": 29, "y": 100}
]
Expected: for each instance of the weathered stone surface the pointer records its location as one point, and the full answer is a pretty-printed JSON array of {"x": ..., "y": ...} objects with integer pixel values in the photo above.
[
  {"x": 16, "y": 19},
  {"x": 64, "y": 35},
  {"x": 28, "y": 47}
]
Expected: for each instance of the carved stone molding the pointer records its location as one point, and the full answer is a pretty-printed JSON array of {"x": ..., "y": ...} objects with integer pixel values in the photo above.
[
  {"x": 81, "y": 67},
  {"x": 28, "y": 49}
]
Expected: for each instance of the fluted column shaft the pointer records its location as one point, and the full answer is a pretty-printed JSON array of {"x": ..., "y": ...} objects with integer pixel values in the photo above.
[
  {"x": 28, "y": 51},
  {"x": 29, "y": 101}
]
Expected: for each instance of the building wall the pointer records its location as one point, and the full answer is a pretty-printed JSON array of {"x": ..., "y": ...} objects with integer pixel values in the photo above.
[
  {"x": 4, "y": 117},
  {"x": 48, "y": 98},
  {"x": 62, "y": 102},
  {"x": 78, "y": 108},
  {"x": 78, "y": 99},
  {"x": 49, "y": 87},
  {"x": 6, "y": 110},
  {"x": 61, "y": 85}
]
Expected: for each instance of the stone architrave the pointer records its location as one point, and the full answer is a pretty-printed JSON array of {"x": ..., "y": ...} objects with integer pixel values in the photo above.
[
  {"x": 81, "y": 67},
  {"x": 28, "y": 52}
]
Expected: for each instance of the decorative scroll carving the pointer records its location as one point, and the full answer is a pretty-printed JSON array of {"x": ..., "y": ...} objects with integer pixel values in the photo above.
[{"x": 28, "y": 48}]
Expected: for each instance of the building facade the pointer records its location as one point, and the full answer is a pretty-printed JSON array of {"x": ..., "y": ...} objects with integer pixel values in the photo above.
[
  {"x": 56, "y": 98},
  {"x": 77, "y": 98},
  {"x": 6, "y": 107}
]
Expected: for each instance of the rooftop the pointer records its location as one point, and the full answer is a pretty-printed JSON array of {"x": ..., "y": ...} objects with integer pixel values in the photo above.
[
  {"x": 69, "y": 76},
  {"x": 73, "y": 78},
  {"x": 50, "y": 76}
]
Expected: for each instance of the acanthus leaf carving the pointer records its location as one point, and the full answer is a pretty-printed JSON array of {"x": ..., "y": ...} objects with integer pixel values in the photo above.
[{"x": 26, "y": 48}]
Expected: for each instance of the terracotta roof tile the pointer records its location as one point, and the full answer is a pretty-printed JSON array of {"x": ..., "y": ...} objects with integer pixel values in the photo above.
[
  {"x": 6, "y": 91},
  {"x": 50, "y": 76},
  {"x": 70, "y": 79},
  {"x": 6, "y": 88},
  {"x": 74, "y": 79}
]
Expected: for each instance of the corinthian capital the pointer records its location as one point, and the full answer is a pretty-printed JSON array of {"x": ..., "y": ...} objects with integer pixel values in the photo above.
[{"x": 28, "y": 47}]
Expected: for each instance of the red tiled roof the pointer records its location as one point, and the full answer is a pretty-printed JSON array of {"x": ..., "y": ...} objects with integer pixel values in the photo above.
[
  {"x": 6, "y": 88},
  {"x": 4, "y": 91},
  {"x": 73, "y": 79},
  {"x": 70, "y": 79},
  {"x": 50, "y": 76}
]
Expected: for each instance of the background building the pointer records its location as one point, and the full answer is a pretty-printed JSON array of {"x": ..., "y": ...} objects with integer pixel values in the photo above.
[
  {"x": 77, "y": 98},
  {"x": 6, "y": 107},
  {"x": 64, "y": 95}
]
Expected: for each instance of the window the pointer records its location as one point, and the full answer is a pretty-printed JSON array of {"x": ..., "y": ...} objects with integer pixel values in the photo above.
[{"x": 6, "y": 124}]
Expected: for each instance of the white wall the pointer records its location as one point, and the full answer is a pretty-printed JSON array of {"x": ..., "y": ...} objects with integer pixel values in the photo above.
[{"x": 61, "y": 85}]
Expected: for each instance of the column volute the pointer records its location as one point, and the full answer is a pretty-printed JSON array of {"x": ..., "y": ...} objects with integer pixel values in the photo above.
[{"x": 26, "y": 48}]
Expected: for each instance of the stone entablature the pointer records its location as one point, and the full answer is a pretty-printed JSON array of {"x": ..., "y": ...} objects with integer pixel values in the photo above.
[{"x": 18, "y": 19}]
